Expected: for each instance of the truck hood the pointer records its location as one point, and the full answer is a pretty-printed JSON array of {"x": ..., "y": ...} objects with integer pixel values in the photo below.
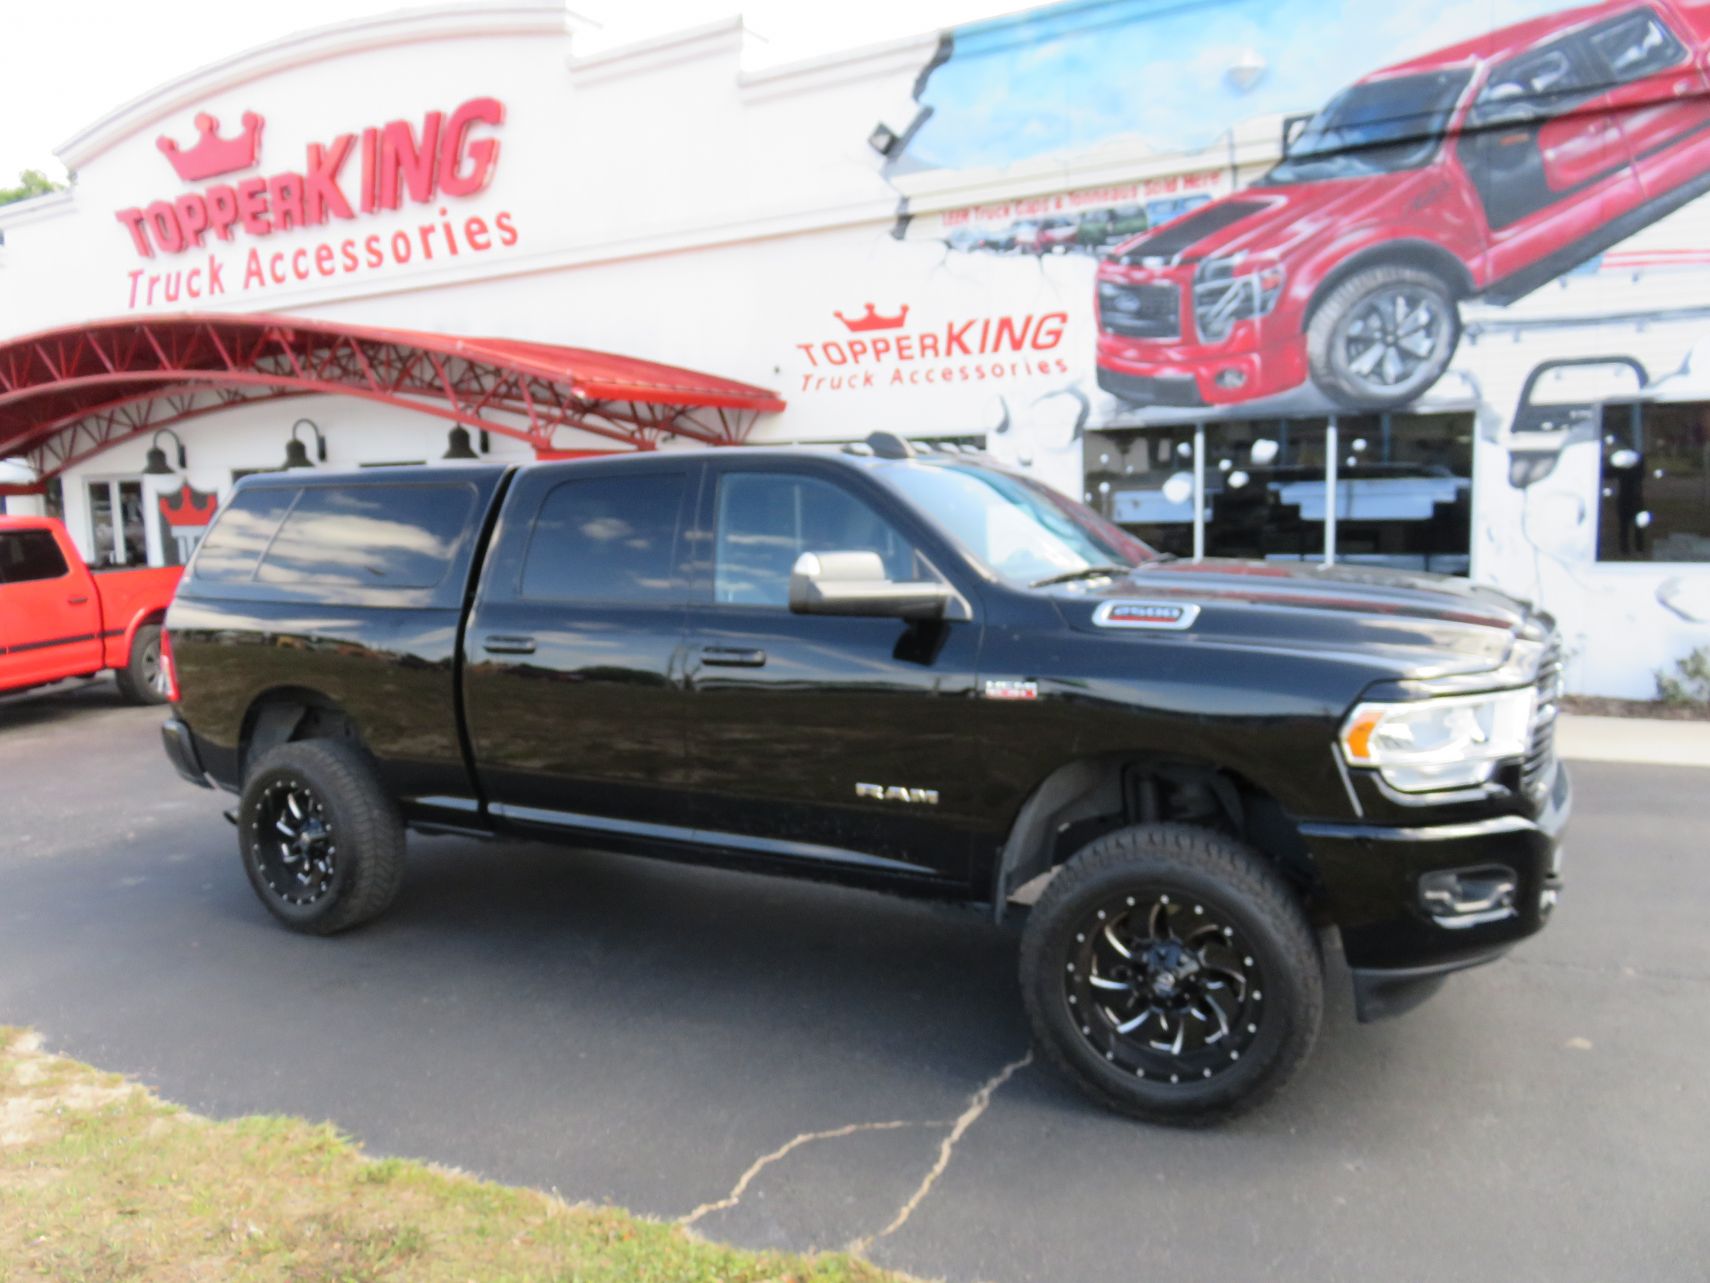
[
  {"x": 1405, "y": 625},
  {"x": 1273, "y": 220}
]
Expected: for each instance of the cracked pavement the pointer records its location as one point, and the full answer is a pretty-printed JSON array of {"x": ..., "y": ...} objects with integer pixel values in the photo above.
[{"x": 796, "y": 1066}]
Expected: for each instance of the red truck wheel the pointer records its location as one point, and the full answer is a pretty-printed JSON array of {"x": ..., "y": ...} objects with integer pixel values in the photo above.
[
  {"x": 1382, "y": 337},
  {"x": 144, "y": 680}
]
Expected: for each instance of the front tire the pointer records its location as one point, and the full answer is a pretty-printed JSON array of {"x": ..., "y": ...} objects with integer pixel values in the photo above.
[
  {"x": 1382, "y": 337},
  {"x": 322, "y": 843},
  {"x": 1171, "y": 972},
  {"x": 143, "y": 679}
]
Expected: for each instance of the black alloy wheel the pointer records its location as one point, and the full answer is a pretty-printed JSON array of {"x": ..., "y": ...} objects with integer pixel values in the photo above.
[
  {"x": 1172, "y": 973},
  {"x": 1166, "y": 988},
  {"x": 295, "y": 845}
]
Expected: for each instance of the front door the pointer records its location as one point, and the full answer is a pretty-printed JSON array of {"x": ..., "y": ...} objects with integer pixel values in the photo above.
[
  {"x": 50, "y": 622},
  {"x": 572, "y": 680},
  {"x": 837, "y": 740}
]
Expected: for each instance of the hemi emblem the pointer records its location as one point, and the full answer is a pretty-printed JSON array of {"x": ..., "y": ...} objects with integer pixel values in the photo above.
[
  {"x": 1010, "y": 688},
  {"x": 1169, "y": 615},
  {"x": 896, "y": 793}
]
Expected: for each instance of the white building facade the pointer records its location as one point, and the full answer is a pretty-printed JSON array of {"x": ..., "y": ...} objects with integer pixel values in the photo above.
[{"x": 1075, "y": 237}]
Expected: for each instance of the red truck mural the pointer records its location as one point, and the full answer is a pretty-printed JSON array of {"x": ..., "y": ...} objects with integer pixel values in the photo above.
[
  {"x": 1482, "y": 170},
  {"x": 59, "y": 619}
]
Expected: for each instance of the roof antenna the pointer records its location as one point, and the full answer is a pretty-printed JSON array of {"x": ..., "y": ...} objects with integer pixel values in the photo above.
[{"x": 888, "y": 445}]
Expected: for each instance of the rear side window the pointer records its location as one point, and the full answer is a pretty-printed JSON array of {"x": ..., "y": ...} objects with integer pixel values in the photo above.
[
  {"x": 606, "y": 539},
  {"x": 27, "y": 555},
  {"x": 1635, "y": 46},
  {"x": 229, "y": 551},
  {"x": 369, "y": 536}
]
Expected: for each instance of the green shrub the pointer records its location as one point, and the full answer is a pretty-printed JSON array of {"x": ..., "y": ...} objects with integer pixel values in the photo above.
[{"x": 1689, "y": 683}]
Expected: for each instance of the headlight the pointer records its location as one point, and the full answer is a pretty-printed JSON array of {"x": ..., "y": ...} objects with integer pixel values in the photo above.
[{"x": 1429, "y": 744}]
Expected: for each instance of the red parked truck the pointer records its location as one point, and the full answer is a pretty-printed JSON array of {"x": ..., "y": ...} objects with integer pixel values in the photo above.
[
  {"x": 1485, "y": 169},
  {"x": 60, "y": 619}
]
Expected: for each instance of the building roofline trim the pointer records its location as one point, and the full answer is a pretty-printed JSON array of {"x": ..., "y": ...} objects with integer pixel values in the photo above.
[{"x": 466, "y": 19}]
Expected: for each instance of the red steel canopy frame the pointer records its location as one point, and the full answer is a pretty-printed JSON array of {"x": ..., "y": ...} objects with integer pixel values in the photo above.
[{"x": 71, "y": 393}]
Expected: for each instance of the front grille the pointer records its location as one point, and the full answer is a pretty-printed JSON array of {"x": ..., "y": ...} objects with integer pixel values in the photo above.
[
  {"x": 1541, "y": 751},
  {"x": 1141, "y": 311}
]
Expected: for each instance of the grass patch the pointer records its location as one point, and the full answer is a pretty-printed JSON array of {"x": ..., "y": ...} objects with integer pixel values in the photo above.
[{"x": 101, "y": 1181}]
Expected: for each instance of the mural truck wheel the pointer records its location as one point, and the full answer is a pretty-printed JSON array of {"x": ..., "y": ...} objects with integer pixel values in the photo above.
[{"x": 1382, "y": 337}]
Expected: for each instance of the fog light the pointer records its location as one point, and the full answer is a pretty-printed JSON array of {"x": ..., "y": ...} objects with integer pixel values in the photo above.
[
  {"x": 1231, "y": 378},
  {"x": 1469, "y": 897}
]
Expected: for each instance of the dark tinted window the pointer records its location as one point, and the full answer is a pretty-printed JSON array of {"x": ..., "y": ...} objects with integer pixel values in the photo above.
[
  {"x": 369, "y": 536},
  {"x": 1635, "y": 46},
  {"x": 29, "y": 554},
  {"x": 229, "y": 551},
  {"x": 768, "y": 519},
  {"x": 1535, "y": 86},
  {"x": 606, "y": 539}
]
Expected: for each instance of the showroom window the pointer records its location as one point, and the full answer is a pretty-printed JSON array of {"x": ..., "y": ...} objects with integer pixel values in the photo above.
[
  {"x": 1654, "y": 501},
  {"x": 1381, "y": 489}
]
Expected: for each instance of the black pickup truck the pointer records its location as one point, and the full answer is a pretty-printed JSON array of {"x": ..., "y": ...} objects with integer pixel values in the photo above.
[{"x": 900, "y": 669}]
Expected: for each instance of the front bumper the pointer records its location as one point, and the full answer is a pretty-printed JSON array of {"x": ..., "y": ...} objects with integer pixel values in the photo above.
[
  {"x": 1398, "y": 951},
  {"x": 181, "y": 751},
  {"x": 1173, "y": 373}
]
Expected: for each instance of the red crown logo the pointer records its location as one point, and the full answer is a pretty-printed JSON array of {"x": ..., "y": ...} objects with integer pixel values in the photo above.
[
  {"x": 213, "y": 155},
  {"x": 186, "y": 508},
  {"x": 873, "y": 321}
]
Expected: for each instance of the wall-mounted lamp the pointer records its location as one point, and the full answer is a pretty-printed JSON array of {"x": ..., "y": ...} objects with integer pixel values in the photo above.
[
  {"x": 458, "y": 440},
  {"x": 297, "y": 453},
  {"x": 883, "y": 139},
  {"x": 1246, "y": 71},
  {"x": 157, "y": 465}
]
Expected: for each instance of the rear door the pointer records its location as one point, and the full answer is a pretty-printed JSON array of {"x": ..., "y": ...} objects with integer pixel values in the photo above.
[
  {"x": 1660, "y": 97},
  {"x": 573, "y": 683},
  {"x": 820, "y": 739},
  {"x": 50, "y": 622},
  {"x": 1544, "y": 151}
]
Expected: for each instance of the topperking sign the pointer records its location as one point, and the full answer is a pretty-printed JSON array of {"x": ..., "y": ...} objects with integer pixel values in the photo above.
[{"x": 365, "y": 175}]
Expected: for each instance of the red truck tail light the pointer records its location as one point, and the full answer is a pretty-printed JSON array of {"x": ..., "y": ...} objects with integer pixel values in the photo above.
[{"x": 168, "y": 667}]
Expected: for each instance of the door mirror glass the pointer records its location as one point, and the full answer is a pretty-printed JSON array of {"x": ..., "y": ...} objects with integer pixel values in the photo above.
[{"x": 854, "y": 583}]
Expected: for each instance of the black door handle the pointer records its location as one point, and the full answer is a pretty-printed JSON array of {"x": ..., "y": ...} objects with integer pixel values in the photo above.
[
  {"x": 509, "y": 645},
  {"x": 732, "y": 657}
]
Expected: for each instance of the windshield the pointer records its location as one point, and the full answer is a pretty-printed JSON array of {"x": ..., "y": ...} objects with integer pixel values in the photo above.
[
  {"x": 1376, "y": 128},
  {"x": 1022, "y": 531}
]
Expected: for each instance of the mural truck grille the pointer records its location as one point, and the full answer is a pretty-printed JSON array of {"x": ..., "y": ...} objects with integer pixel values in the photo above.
[{"x": 1142, "y": 311}]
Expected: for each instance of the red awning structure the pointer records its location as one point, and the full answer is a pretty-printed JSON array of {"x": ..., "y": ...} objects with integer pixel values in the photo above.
[{"x": 68, "y": 394}]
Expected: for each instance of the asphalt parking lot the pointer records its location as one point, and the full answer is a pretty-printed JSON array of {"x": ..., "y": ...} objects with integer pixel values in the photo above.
[{"x": 646, "y": 1034}]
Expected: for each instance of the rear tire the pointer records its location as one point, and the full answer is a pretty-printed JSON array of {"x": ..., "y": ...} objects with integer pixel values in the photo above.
[
  {"x": 322, "y": 843},
  {"x": 143, "y": 679},
  {"x": 1171, "y": 972}
]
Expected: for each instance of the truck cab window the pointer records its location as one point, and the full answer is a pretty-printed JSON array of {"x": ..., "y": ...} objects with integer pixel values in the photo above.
[
  {"x": 27, "y": 555},
  {"x": 228, "y": 552},
  {"x": 606, "y": 539},
  {"x": 768, "y": 519}
]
